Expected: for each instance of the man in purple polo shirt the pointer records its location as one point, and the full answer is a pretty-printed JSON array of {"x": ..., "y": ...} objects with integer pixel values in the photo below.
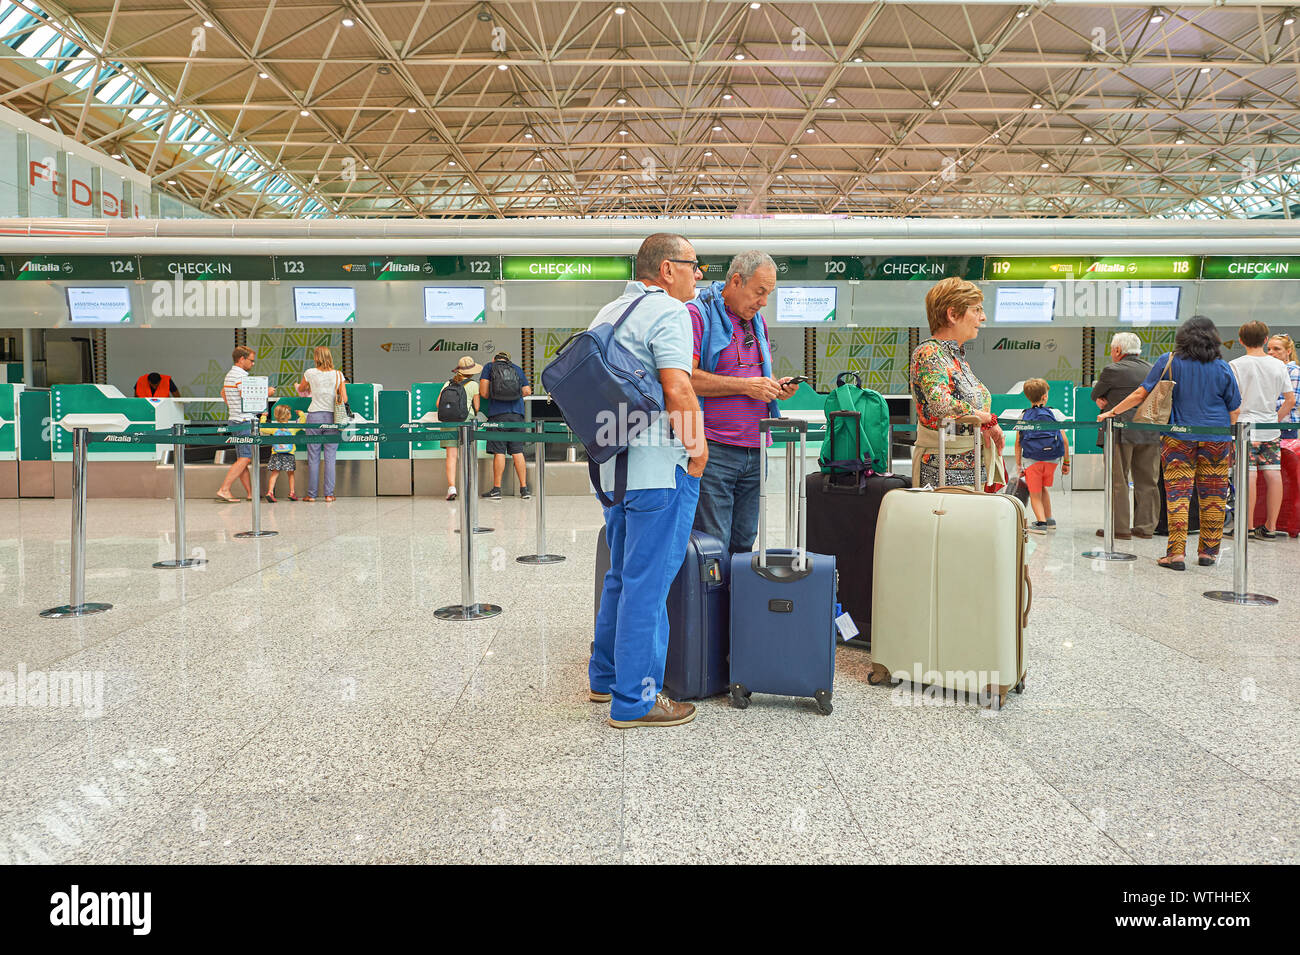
[{"x": 732, "y": 375}]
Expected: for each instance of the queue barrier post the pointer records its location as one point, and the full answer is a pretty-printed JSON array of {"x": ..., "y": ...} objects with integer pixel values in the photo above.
[
  {"x": 468, "y": 608},
  {"x": 255, "y": 483},
  {"x": 77, "y": 607},
  {"x": 539, "y": 456},
  {"x": 178, "y": 460},
  {"x": 1107, "y": 551},
  {"x": 470, "y": 450},
  {"x": 1239, "y": 594}
]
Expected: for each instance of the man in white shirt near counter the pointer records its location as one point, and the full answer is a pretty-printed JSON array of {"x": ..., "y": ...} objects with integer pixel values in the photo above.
[{"x": 238, "y": 418}]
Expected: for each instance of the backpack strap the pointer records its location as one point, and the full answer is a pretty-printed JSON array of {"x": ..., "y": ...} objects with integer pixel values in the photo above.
[
  {"x": 839, "y": 379},
  {"x": 620, "y": 480}
]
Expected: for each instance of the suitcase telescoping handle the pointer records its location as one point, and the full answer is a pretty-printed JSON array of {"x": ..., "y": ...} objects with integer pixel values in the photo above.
[
  {"x": 975, "y": 422},
  {"x": 783, "y": 424}
]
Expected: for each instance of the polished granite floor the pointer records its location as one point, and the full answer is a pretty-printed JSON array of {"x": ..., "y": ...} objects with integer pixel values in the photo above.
[{"x": 296, "y": 700}]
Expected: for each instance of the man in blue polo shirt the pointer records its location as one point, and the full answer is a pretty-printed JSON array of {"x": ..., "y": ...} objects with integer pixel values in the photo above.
[
  {"x": 649, "y": 529},
  {"x": 504, "y": 387}
]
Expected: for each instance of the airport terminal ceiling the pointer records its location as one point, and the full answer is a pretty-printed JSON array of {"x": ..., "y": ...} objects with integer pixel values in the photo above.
[{"x": 424, "y": 109}]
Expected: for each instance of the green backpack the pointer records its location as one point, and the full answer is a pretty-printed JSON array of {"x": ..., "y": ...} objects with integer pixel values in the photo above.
[{"x": 843, "y": 450}]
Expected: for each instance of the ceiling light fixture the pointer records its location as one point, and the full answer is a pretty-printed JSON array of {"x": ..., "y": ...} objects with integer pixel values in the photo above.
[
  {"x": 484, "y": 16},
  {"x": 46, "y": 120},
  {"x": 1288, "y": 18},
  {"x": 1042, "y": 165},
  {"x": 1157, "y": 15},
  {"x": 1038, "y": 106},
  {"x": 117, "y": 155},
  {"x": 1022, "y": 14},
  {"x": 1179, "y": 141},
  {"x": 171, "y": 182},
  {"x": 303, "y": 112},
  {"x": 621, "y": 100},
  {"x": 810, "y": 130},
  {"x": 740, "y": 56},
  {"x": 708, "y": 153},
  {"x": 726, "y": 96},
  {"x": 754, "y": 6},
  {"x": 619, "y": 11},
  {"x": 452, "y": 163},
  {"x": 934, "y": 102},
  {"x": 348, "y": 21},
  {"x": 1214, "y": 169},
  {"x": 857, "y": 59},
  {"x": 528, "y": 135},
  {"x": 410, "y": 109},
  {"x": 262, "y": 76},
  {"x": 208, "y": 24},
  {"x": 1087, "y": 139},
  {"x": 1128, "y": 165},
  {"x": 502, "y": 66},
  {"x": 794, "y": 155},
  {"x": 830, "y": 100},
  {"x": 1205, "y": 69}
]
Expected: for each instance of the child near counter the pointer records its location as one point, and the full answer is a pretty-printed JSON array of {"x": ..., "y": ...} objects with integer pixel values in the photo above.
[{"x": 282, "y": 458}]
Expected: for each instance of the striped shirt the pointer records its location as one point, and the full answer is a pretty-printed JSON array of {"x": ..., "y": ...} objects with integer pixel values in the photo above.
[
  {"x": 1293, "y": 370},
  {"x": 230, "y": 391},
  {"x": 732, "y": 419}
]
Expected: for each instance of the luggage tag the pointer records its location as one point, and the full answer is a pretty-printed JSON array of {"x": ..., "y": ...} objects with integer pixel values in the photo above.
[{"x": 846, "y": 626}]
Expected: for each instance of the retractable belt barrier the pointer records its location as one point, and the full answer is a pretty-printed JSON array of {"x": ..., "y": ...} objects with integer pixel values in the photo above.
[{"x": 543, "y": 433}]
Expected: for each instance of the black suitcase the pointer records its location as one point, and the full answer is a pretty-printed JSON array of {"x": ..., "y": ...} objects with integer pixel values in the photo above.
[{"x": 842, "y": 524}]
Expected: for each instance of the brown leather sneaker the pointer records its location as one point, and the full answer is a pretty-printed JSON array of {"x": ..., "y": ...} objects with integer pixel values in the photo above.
[
  {"x": 599, "y": 697},
  {"x": 665, "y": 712}
]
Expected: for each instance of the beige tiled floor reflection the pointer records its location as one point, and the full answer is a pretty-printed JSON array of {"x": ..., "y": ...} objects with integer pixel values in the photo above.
[{"x": 296, "y": 700}]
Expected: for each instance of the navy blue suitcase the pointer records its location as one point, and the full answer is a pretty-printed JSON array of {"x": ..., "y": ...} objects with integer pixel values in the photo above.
[
  {"x": 783, "y": 608},
  {"x": 698, "y": 611}
]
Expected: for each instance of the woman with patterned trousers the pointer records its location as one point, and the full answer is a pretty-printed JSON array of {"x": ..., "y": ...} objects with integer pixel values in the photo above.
[
  {"x": 1205, "y": 395},
  {"x": 944, "y": 387}
]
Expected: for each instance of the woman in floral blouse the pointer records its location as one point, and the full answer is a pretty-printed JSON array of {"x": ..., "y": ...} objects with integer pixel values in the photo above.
[{"x": 944, "y": 387}]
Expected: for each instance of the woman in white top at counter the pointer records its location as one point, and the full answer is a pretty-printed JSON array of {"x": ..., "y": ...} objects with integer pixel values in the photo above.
[{"x": 326, "y": 387}]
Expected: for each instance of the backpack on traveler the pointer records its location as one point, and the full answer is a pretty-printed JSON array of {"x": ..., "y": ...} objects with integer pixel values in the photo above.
[
  {"x": 453, "y": 404},
  {"x": 843, "y": 451},
  {"x": 1041, "y": 445},
  {"x": 504, "y": 382}
]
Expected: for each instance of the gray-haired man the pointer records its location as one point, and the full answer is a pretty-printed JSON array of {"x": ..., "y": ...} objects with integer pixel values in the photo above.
[
  {"x": 1135, "y": 454},
  {"x": 732, "y": 375}
]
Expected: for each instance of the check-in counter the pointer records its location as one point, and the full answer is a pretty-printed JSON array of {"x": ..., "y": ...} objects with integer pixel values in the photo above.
[
  {"x": 354, "y": 468},
  {"x": 9, "y": 439},
  {"x": 112, "y": 470}
]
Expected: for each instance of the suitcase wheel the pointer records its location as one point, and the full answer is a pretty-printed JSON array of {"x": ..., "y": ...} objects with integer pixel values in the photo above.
[
  {"x": 823, "y": 700},
  {"x": 878, "y": 674},
  {"x": 1020, "y": 687},
  {"x": 739, "y": 696}
]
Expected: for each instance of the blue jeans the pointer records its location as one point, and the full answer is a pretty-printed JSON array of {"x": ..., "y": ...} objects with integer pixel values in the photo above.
[
  {"x": 647, "y": 536},
  {"x": 314, "y": 452},
  {"x": 729, "y": 496}
]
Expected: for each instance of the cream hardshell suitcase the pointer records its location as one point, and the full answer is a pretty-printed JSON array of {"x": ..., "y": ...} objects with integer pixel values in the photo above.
[{"x": 951, "y": 590}]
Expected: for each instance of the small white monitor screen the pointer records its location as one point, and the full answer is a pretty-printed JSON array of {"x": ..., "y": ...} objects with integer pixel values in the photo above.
[
  {"x": 805, "y": 304},
  {"x": 101, "y": 305},
  {"x": 1149, "y": 305},
  {"x": 325, "y": 306},
  {"x": 455, "y": 305},
  {"x": 1017, "y": 305}
]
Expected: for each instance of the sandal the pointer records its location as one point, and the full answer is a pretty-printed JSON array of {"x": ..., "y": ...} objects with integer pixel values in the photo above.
[
  {"x": 292, "y": 497},
  {"x": 309, "y": 500},
  {"x": 270, "y": 499},
  {"x": 1172, "y": 564},
  {"x": 330, "y": 499},
  {"x": 226, "y": 498}
]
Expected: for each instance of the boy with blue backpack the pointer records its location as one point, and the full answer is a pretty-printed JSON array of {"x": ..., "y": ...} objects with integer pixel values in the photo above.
[{"x": 1044, "y": 449}]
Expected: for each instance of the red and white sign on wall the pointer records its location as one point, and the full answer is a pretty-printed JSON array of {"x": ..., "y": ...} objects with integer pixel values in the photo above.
[{"x": 44, "y": 178}]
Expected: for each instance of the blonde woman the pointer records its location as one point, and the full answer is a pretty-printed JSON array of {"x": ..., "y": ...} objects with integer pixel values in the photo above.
[
  {"x": 327, "y": 387},
  {"x": 1282, "y": 348},
  {"x": 464, "y": 375}
]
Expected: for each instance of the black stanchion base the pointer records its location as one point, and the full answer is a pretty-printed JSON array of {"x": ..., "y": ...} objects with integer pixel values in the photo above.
[
  {"x": 461, "y": 612},
  {"x": 81, "y": 610},
  {"x": 478, "y": 530},
  {"x": 1107, "y": 555},
  {"x": 187, "y": 562},
  {"x": 540, "y": 559},
  {"x": 1249, "y": 600},
  {"x": 247, "y": 534}
]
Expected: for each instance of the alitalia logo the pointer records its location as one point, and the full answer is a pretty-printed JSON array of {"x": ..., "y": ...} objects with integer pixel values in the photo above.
[
  {"x": 443, "y": 345},
  {"x": 1111, "y": 267},
  {"x": 44, "y": 267},
  {"x": 399, "y": 267},
  {"x": 1011, "y": 344}
]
